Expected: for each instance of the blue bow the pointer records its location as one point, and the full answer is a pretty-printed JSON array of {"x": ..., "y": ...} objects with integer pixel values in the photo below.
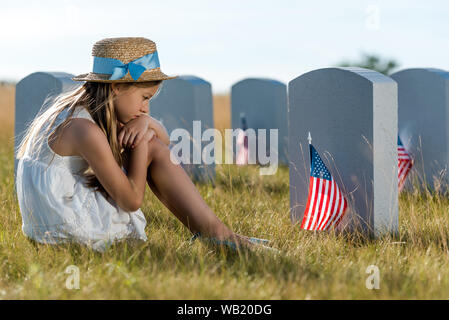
[{"x": 118, "y": 69}]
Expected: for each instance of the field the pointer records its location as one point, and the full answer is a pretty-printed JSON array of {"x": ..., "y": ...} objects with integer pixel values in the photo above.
[{"x": 309, "y": 265}]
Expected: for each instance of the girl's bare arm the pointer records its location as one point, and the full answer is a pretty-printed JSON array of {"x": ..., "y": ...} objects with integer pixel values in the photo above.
[{"x": 89, "y": 142}]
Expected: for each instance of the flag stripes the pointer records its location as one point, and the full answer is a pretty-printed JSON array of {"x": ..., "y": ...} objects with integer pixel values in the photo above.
[
  {"x": 405, "y": 164},
  {"x": 242, "y": 148}
]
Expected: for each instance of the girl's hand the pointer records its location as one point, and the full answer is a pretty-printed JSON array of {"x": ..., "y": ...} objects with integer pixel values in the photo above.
[
  {"x": 132, "y": 132},
  {"x": 150, "y": 134},
  {"x": 160, "y": 130}
]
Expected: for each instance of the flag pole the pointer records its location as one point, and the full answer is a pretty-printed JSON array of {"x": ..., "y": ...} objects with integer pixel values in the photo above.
[{"x": 310, "y": 149}]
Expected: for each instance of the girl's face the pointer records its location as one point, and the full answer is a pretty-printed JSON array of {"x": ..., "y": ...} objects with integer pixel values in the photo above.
[{"x": 131, "y": 102}]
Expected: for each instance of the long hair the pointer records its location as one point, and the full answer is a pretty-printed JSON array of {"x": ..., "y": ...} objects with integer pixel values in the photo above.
[{"x": 98, "y": 99}]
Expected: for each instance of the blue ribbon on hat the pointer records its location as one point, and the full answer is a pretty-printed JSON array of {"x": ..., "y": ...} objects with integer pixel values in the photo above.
[{"x": 118, "y": 69}]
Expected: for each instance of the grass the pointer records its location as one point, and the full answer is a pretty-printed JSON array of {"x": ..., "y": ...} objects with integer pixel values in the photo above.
[{"x": 310, "y": 265}]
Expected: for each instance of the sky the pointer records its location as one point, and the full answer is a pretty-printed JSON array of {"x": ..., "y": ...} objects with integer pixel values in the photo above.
[{"x": 224, "y": 41}]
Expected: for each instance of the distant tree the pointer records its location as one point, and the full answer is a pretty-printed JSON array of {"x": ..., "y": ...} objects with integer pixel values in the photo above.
[{"x": 373, "y": 62}]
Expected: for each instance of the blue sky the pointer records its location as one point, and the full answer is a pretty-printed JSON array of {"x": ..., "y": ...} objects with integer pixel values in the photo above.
[{"x": 224, "y": 41}]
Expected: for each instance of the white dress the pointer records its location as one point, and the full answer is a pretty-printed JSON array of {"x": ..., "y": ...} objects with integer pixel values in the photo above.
[{"x": 56, "y": 206}]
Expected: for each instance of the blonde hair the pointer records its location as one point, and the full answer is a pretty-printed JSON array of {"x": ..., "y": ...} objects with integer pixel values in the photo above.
[{"x": 98, "y": 99}]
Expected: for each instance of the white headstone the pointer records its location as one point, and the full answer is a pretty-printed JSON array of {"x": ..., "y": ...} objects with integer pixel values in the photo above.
[
  {"x": 423, "y": 123},
  {"x": 351, "y": 114},
  {"x": 180, "y": 102},
  {"x": 31, "y": 93},
  {"x": 263, "y": 102}
]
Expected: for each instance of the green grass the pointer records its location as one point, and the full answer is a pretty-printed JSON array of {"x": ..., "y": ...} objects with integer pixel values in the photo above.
[{"x": 310, "y": 265}]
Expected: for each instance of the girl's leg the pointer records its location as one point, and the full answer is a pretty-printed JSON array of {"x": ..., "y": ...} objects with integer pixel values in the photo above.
[{"x": 175, "y": 190}]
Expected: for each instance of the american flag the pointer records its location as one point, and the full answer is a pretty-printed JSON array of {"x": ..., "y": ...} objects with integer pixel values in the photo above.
[
  {"x": 242, "y": 143},
  {"x": 405, "y": 163},
  {"x": 326, "y": 204}
]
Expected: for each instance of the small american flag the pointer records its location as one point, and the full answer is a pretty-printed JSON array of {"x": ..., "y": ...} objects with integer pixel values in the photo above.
[
  {"x": 405, "y": 163},
  {"x": 242, "y": 143},
  {"x": 326, "y": 204}
]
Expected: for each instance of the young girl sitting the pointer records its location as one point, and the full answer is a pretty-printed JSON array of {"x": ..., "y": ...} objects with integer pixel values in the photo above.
[{"x": 85, "y": 161}]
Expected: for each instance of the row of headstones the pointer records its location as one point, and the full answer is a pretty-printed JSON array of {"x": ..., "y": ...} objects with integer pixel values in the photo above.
[
  {"x": 352, "y": 114},
  {"x": 423, "y": 108},
  {"x": 355, "y": 116},
  {"x": 180, "y": 102}
]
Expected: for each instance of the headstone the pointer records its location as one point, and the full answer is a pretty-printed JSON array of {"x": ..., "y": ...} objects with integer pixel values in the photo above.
[
  {"x": 351, "y": 114},
  {"x": 181, "y": 102},
  {"x": 423, "y": 124},
  {"x": 31, "y": 93},
  {"x": 263, "y": 103}
]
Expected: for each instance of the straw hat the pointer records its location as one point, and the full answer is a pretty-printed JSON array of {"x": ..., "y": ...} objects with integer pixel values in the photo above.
[{"x": 124, "y": 60}]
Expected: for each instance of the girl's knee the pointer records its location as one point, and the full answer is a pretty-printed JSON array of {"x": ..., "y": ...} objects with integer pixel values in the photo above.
[{"x": 157, "y": 148}]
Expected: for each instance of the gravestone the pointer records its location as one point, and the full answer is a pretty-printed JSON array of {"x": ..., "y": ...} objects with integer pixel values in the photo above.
[
  {"x": 351, "y": 114},
  {"x": 31, "y": 93},
  {"x": 423, "y": 111},
  {"x": 263, "y": 103},
  {"x": 180, "y": 102}
]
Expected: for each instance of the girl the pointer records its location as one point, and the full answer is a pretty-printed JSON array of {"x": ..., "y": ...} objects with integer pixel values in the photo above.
[{"x": 85, "y": 161}]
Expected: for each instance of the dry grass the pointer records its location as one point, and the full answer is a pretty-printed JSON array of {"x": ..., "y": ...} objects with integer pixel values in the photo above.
[
  {"x": 222, "y": 112},
  {"x": 7, "y": 96},
  {"x": 310, "y": 265}
]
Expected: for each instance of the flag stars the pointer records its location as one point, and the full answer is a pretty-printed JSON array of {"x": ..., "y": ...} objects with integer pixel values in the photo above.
[{"x": 319, "y": 169}]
